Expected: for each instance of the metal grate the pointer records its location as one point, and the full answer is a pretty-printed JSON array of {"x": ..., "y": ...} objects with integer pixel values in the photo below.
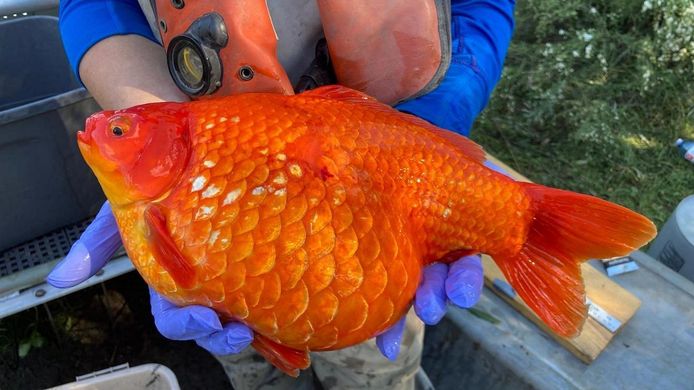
[{"x": 41, "y": 250}]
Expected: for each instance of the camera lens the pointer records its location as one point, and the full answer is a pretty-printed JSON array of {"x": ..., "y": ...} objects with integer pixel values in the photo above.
[
  {"x": 193, "y": 57},
  {"x": 188, "y": 65}
]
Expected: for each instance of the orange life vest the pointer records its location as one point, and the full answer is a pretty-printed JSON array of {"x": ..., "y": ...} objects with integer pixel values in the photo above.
[{"x": 391, "y": 49}]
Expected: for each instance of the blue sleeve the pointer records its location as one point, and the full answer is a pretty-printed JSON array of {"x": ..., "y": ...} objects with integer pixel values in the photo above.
[
  {"x": 481, "y": 33},
  {"x": 83, "y": 23}
]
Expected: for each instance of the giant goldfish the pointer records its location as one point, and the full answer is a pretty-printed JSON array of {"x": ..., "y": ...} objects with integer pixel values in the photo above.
[{"x": 309, "y": 218}]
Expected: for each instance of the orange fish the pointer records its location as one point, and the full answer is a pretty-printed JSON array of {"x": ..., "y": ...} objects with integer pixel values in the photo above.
[{"x": 309, "y": 218}]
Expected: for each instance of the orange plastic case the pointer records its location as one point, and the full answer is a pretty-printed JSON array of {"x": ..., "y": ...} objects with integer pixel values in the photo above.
[{"x": 251, "y": 42}]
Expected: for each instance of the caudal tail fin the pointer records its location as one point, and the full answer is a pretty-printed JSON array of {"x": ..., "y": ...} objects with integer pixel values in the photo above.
[{"x": 568, "y": 229}]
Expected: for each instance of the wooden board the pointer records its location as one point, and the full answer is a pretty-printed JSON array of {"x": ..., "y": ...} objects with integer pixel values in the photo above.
[{"x": 615, "y": 300}]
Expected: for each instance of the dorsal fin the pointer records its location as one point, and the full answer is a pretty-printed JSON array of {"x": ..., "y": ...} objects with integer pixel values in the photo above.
[
  {"x": 344, "y": 94},
  {"x": 462, "y": 143},
  {"x": 338, "y": 92}
]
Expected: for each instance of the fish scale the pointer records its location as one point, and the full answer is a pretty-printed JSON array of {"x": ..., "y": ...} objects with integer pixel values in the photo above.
[{"x": 309, "y": 218}]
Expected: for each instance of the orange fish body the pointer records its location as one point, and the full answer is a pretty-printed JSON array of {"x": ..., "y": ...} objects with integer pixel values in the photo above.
[{"x": 309, "y": 218}]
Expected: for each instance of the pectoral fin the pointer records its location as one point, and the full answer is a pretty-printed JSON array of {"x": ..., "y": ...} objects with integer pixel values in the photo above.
[{"x": 164, "y": 249}]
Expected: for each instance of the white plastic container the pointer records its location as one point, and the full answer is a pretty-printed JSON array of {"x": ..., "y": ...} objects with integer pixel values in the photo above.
[
  {"x": 674, "y": 245},
  {"x": 146, "y": 377},
  {"x": 686, "y": 149}
]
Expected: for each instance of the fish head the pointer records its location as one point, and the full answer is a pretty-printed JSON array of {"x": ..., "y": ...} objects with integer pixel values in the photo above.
[{"x": 139, "y": 153}]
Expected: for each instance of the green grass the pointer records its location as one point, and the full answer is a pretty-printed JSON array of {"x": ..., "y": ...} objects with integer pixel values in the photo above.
[{"x": 594, "y": 95}]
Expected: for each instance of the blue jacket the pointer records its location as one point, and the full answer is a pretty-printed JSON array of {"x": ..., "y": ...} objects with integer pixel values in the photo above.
[{"x": 480, "y": 29}]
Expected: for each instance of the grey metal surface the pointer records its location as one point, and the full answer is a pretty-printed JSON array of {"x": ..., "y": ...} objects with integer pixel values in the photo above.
[
  {"x": 39, "y": 251},
  {"x": 42, "y": 293},
  {"x": 46, "y": 184},
  {"x": 28, "y": 265},
  {"x": 9, "y": 7},
  {"x": 653, "y": 351}
]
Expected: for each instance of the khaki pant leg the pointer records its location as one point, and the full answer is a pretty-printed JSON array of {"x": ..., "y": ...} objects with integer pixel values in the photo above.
[
  {"x": 359, "y": 367},
  {"x": 364, "y": 367},
  {"x": 250, "y": 371}
]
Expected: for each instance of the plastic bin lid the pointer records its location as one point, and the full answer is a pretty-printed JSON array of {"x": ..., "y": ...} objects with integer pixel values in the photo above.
[
  {"x": 684, "y": 215},
  {"x": 147, "y": 376}
]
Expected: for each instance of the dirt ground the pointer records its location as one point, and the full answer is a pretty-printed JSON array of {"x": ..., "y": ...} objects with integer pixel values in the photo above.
[{"x": 91, "y": 333}]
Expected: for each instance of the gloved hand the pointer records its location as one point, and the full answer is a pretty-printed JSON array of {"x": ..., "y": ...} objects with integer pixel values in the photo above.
[
  {"x": 96, "y": 246},
  {"x": 199, "y": 323},
  {"x": 90, "y": 253},
  {"x": 460, "y": 282}
]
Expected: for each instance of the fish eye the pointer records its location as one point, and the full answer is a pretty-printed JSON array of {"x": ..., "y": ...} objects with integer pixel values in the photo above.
[{"x": 119, "y": 125}]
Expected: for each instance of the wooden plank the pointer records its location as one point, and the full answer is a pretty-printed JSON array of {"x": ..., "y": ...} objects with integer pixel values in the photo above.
[{"x": 615, "y": 300}]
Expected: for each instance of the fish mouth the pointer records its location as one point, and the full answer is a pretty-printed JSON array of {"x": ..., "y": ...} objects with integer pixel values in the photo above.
[
  {"x": 84, "y": 144},
  {"x": 83, "y": 137},
  {"x": 104, "y": 170}
]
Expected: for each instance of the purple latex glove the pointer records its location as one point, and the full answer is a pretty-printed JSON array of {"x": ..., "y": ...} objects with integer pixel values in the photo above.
[
  {"x": 88, "y": 254},
  {"x": 199, "y": 323},
  {"x": 460, "y": 283}
]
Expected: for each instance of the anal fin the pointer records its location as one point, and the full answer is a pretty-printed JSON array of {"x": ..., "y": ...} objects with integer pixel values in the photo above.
[
  {"x": 164, "y": 249},
  {"x": 289, "y": 360}
]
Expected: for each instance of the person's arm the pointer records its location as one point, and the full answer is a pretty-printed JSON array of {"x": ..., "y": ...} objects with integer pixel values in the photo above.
[
  {"x": 118, "y": 83},
  {"x": 481, "y": 32},
  {"x": 114, "y": 53}
]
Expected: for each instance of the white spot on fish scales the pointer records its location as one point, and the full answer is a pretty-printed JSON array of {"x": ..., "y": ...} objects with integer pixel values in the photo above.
[
  {"x": 213, "y": 236},
  {"x": 203, "y": 212},
  {"x": 258, "y": 191},
  {"x": 280, "y": 192},
  {"x": 209, "y": 125},
  {"x": 211, "y": 191},
  {"x": 446, "y": 213},
  {"x": 235, "y": 119},
  {"x": 280, "y": 179},
  {"x": 281, "y": 157},
  {"x": 198, "y": 183},
  {"x": 232, "y": 196},
  {"x": 222, "y": 119},
  {"x": 295, "y": 170},
  {"x": 209, "y": 163}
]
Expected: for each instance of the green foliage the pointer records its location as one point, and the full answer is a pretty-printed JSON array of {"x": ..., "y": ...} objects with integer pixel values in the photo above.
[
  {"x": 593, "y": 96},
  {"x": 35, "y": 340}
]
